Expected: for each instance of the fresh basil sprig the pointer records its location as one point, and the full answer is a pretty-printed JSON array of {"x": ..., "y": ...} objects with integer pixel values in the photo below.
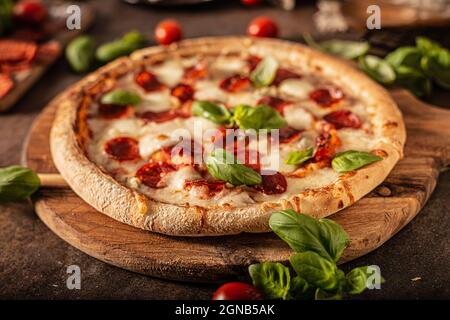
[
  {"x": 17, "y": 183},
  {"x": 404, "y": 56},
  {"x": 121, "y": 97},
  {"x": 436, "y": 65},
  {"x": 352, "y": 160},
  {"x": 377, "y": 69},
  {"x": 224, "y": 166},
  {"x": 211, "y": 111},
  {"x": 298, "y": 157},
  {"x": 80, "y": 53},
  {"x": 120, "y": 47},
  {"x": 414, "y": 80},
  {"x": 260, "y": 117},
  {"x": 265, "y": 72},
  {"x": 426, "y": 45},
  {"x": 343, "y": 48},
  {"x": 318, "y": 244}
]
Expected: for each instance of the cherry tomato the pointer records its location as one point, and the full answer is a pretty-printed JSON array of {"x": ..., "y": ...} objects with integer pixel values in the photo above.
[
  {"x": 30, "y": 11},
  {"x": 262, "y": 27},
  {"x": 168, "y": 31},
  {"x": 237, "y": 291},
  {"x": 251, "y": 2}
]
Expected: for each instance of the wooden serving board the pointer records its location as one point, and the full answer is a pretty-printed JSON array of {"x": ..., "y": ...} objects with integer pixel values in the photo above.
[{"x": 369, "y": 222}]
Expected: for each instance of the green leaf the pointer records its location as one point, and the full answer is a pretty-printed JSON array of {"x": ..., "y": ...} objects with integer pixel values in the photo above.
[
  {"x": 436, "y": 65},
  {"x": 343, "y": 48},
  {"x": 298, "y": 157},
  {"x": 17, "y": 183},
  {"x": 414, "y": 80},
  {"x": 324, "y": 295},
  {"x": 260, "y": 117},
  {"x": 223, "y": 166},
  {"x": 121, "y": 97},
  {"x": 211, "y": 111},
  {"x": 316, "y": 270},
  {"x": 404, "y": 56},
  {"x": 303, "y": 233},
  {"x": 426, "y": 45},
  {"x": 377, "y": 69},
  {"x": 265, "y": 72},
  {"x": 80, "y": 53},
  {"x": 6, "y": 16},
  {"x": 300, "y": 289},
  {"x": 352, "y": 160},
  {"x": 120, "y": 47},
  {"x": 272, "y": 279},
  {"x": 356, "y": 280}
]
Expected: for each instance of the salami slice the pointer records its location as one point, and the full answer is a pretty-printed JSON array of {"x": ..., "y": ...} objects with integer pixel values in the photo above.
[
  {"x": 114, "y": 111},
  {"x": 343, "y": 119},
  {"x": 158, "y": 117},
  {"x": 15, "y": 51},
  {"x": 183, "y": 92},
  {"x": 148, "y": 81},
  {"x": 196, "y": 72},
  {"x": 276, "y": 103},
  {"x": 123, "y": 149},
  {"x": 275, "y": 183},
  {"x": 326, "y": 97},
  {"x": 151, "y": 173},
  {"x": 284, "y": 74},
  {"x": 288, "y": 134},
  {"x": 235, "y": 83},
  {"x": 253, "y": 61},
  {"x": 326, "y": 145}
]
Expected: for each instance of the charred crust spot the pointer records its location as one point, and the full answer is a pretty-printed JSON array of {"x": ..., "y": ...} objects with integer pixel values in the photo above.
[
  {"x": 390, "y": 124},
  {"x": 340, "y": 204}
]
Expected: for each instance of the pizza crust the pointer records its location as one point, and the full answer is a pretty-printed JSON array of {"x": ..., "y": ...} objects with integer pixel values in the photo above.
[{"x": 126, "y": 205}]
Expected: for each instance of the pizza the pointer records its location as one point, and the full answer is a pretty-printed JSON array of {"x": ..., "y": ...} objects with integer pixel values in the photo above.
[{"x": 210, "y": 136}]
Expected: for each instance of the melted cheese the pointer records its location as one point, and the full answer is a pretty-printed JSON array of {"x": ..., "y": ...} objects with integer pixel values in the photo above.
[
  {"x": 169, "y": 73},
  {"x": 296, "y": 88},
  {"x": 298, "y": 118},
  {"x": 354, "y": 139}
]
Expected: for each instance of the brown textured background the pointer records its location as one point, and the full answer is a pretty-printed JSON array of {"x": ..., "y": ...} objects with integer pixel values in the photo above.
[{"x": 33, "y": 260}]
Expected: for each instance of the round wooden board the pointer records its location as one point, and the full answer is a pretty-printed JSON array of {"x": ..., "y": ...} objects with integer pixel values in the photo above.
[{"x": 369, "y": 222}]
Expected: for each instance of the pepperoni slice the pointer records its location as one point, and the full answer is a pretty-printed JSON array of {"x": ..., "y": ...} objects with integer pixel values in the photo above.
[
  {"x": 235, "y": 83},
  {"x": 284, "y": 74},
  {"x": 213, "y": 186},
  {"x": 148, "y": 81},
  {"x": 123, "y": 149},
  {"x": 197, "y": 71},
  {"x": 274, "y": 102},
  {"x": 253, "y": 62},
  {"x": 185, "y": 110},
  {"x": 343, "y": 119},
  {"x": 183, "y": 92},
  {"x": 158, "y": 117},
  {"x": 188, "y": 150},
  {"x": 272, "y": 184},
  {"x": 48, "y": 52},
  {"x": 326, "y": 97},
  {"x": 6, "y": 84},
  {"x": 326, "y": 145},
  {"x": 114, "y": 111},
  {"x": 14, "y": 51},
  {"x": 151, "y": 173},
  {"x": 288, "y": 134}
]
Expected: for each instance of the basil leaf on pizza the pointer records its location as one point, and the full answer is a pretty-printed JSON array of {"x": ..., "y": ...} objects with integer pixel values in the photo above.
[
  {"x": 265, "y": 72},
  {"x": 209, "y": 110},
  {"x": 298, "y": 157},
  {"x": 260, "y": 117},
  {"x": 304, "y": 233},
  {"x": 121, "y": 97},
  {"x": 223, "y": 165},
  {"x": 352, "y": 160}
]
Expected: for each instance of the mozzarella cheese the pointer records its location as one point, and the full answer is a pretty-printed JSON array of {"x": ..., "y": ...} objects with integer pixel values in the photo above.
[
  {"x": 298, "y": 118},
  {"x": 297, "y": 88}
]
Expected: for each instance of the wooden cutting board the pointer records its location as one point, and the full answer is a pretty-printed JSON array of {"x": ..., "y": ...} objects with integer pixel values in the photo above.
[{"x": 369, "y": 222}]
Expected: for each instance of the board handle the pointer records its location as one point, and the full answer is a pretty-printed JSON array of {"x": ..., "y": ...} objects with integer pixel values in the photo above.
[{"x": 52, "y": 180}]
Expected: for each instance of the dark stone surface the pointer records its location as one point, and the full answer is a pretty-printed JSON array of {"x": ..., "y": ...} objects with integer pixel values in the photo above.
[{"x": 33, "y": 261}]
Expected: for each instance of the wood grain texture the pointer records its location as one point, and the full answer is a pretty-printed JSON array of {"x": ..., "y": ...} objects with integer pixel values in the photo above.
[{"x": 369, "y": 222}]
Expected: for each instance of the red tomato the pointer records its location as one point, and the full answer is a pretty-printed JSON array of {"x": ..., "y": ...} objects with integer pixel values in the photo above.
[
  {"x": 262, "y": 27},
  {"x": 168, "y": 31},
  {"x": 30, "y": 11},
  {"x": 251, "y": 2},
  {"x": 237, "y": 291}
]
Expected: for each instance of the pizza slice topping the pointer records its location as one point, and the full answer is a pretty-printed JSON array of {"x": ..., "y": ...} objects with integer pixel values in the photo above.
[
  {"x": 123, "y": 149},
  {"x": 275, "y": 102},
  {"x": 183, "y": 92},
  {"x": 274, "y": 183},
  {"x": 151, "y": 173},
  {"x": 326, "y": 97},
  {"x": 343, "y": 119},
  {"x": 235, "y": 83},
  {"x": 114, "y": 111},
  {"x": 148, "y": 81}
]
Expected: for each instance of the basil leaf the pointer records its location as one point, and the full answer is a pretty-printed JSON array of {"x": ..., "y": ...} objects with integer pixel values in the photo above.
[
  {"x": 300, "y": 289},
  {"x": 426, "y": 45},
  {"x": 120, "y": 47},
  {"x": 211, "y": 111},
  {"x": 414, "y": 80},
  {"x": 17, "y": 183},
  {"x": 356, "y": 280},
  {"x": 324, "y": 295},
  {"x": 377, "y": 69},
  {"x": 298, "y": 157},
  {"x": 260, "y": 117},
  {"x": 223, "y": 166},
  {"x": 352, "y": 160},
  {"x": 265, "y": 72},
  {"x": 436, "y": 65},
  {"x": 80, "y": 53},
  {"x": 121, "y": 97},
  {"x": 303, "y": 233},
  {"x": 271, "y": 278},
  {"x": 404, "y": 56},
  {"x": 316, "y": 270},
  {"x": 343, "y": 48}
]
